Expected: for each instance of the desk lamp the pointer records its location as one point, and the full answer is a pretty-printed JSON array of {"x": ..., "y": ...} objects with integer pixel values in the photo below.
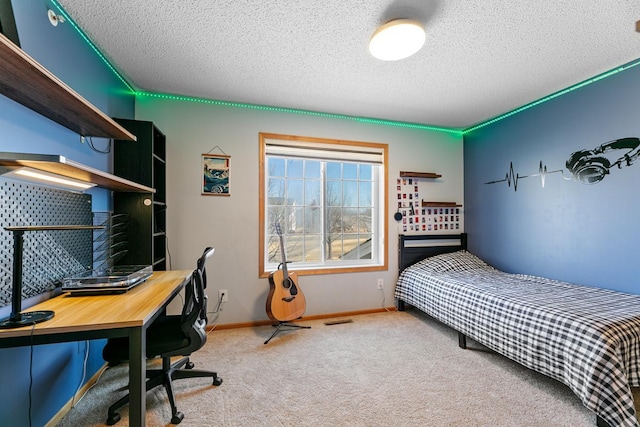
[{"x": 18, "y": 319}]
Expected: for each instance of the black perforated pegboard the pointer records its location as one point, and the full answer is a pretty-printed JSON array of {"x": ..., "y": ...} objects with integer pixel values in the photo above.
[{"x": 48, "y": 256}]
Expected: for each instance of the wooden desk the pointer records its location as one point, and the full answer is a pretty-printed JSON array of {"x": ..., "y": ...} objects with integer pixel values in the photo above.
[{"x": 79, "y": 318}]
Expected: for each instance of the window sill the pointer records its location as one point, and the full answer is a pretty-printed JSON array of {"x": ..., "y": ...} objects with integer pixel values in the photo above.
[{"x": 330, "y": 270}]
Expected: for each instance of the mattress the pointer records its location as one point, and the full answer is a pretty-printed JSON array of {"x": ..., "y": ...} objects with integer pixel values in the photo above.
[{"x": 586, "y": 337}]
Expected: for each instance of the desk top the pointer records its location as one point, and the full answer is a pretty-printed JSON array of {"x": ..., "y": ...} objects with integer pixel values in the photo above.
[{"x": 135, "y": 308}]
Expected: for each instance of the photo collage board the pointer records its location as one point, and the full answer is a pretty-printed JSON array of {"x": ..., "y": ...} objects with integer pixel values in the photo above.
[{"x": 436, "y": 218}]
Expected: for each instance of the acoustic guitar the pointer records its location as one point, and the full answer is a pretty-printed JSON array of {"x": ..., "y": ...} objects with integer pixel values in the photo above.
[{"x": 285, "y": 301}]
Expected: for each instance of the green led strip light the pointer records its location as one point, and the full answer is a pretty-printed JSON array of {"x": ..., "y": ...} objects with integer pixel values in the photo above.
[
  {"x": 93, "y": 46},
  {"x": 296, "y": 111},
  {"x": 340, "y": 116},
  {"x": 239, "y": 104},
  {"x": 554, "y": 95}
]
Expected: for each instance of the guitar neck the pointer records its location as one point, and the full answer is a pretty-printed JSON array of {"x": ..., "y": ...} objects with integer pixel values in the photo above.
[{"x": 285, "y": 272}]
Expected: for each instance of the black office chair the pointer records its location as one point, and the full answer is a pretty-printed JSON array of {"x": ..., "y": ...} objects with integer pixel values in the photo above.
[{"x": 171, "y": 335}]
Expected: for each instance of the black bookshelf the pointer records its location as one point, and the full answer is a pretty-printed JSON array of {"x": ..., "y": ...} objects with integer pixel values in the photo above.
[{"x": 143, "y": 161}]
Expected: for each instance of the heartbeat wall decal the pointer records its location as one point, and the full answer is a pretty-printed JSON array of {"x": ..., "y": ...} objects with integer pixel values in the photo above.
[
  {"x": 511, "y": 177},
  {"x": 586, "y": 166}
]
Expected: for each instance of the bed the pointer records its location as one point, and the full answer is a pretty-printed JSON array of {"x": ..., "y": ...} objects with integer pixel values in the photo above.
[{"x": 588, "y": 338}]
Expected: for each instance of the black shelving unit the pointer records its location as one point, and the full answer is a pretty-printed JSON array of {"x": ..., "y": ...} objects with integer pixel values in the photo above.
[{"x": 144, "y": 162}]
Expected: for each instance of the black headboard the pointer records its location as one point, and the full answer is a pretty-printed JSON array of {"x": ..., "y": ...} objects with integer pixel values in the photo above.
[{"x": 416, "y": 247}]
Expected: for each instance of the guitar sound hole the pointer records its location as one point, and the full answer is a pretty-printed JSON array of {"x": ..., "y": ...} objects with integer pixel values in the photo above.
[{"x": 289, "y": 284}]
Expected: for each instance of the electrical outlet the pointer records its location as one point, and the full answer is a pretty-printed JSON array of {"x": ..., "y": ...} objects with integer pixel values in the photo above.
[
  {"x": 223, "y": 295},
  {"x": 380, "y": 283}
]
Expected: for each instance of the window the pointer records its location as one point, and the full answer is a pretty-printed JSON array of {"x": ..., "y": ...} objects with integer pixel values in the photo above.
[{"x": 328, "y": 198}]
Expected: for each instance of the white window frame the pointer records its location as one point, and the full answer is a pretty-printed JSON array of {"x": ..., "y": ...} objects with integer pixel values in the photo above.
[{"x": 288, "y": 146}]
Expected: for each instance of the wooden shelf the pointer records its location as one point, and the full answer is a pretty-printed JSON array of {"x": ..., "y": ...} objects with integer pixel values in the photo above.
[
  {"x": 60, "y": 165},
  {"x": 426, "y": 204},
  {"x": 26, "y": 81},
  {"x": 431, "y": 175}
]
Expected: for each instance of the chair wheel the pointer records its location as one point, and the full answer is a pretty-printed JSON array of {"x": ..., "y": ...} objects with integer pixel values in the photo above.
[
  {"x": 189, "y": 365},
  {"x": 217, "y": 381},
  {"x": 113, "y": 418},
  {"x": 177, "y": 418}
]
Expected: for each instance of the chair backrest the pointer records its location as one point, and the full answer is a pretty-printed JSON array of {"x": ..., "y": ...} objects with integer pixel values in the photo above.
[
  {"x": 200, "y": 265},
  {"x": 194, "y": 311}
]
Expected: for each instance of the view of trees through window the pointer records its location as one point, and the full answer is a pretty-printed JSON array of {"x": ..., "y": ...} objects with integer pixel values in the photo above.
[
  {"x": 324, "y": 208},
  {"x": 326, "y": 200}
]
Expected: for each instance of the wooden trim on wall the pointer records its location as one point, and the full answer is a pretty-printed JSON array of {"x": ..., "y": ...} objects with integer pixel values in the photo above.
[
  {"x": 261, "y": 203},
  {"x": 302, "y": 319}
]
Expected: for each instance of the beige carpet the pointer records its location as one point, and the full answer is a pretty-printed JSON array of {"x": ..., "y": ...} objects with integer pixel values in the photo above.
[{"x": 386, "y": 369}]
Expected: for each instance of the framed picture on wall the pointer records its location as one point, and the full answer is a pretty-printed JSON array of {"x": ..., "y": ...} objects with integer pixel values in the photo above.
[{"x": 215, "y": 175}]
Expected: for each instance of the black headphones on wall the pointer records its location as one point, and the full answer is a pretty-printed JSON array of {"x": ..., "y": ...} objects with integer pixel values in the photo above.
[{"x": 591, "y": 166}]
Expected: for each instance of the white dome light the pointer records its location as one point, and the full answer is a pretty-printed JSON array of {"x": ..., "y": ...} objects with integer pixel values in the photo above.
[{"x": 397, "y": 39}]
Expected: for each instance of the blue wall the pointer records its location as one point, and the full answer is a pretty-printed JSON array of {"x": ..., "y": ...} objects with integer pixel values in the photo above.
[
  {"x": 566, "y": 230},
  {"x": 57, "y": 369}
]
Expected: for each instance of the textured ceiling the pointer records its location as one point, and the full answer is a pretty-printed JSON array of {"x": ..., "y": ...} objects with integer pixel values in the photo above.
[{"x": 481, "y": 58}]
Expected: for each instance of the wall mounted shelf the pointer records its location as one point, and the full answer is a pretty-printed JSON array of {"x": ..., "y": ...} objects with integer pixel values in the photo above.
[
  {"x": 26, "y": 81},
  {"x": 60, "y": 165},
  {"x": 426, "y": 204},
  {"x": 415, "y": 215},
  {"x": 404, "y": 174}
]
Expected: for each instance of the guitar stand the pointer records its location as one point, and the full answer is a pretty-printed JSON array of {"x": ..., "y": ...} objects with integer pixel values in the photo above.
[{"x": 289, "y": 325}]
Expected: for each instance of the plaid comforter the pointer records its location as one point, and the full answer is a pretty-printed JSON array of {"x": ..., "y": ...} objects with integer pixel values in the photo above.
[{"x": 588, "y": 338}]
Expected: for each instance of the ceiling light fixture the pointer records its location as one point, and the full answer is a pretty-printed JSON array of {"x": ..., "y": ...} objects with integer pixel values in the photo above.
[{"x": 397, "y": 39}]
